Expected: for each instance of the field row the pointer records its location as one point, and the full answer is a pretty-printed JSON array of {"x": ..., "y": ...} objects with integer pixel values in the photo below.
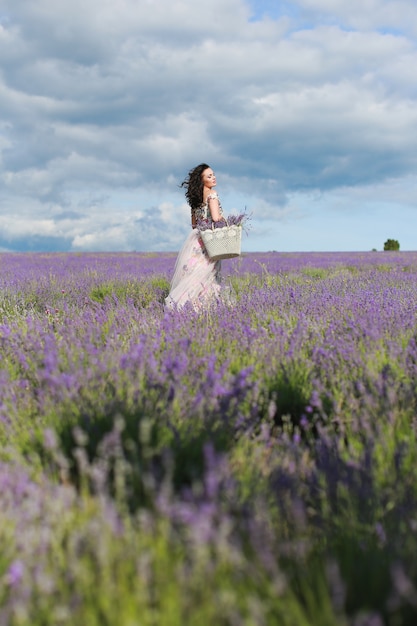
[{"x": 248, "y": 464}]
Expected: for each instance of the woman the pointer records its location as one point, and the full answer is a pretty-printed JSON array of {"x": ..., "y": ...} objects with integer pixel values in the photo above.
[{"x": 197, "y": 279}]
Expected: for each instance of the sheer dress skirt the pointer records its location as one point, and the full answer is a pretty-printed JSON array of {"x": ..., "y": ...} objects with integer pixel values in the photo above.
[{"x": 196, "y": 279}]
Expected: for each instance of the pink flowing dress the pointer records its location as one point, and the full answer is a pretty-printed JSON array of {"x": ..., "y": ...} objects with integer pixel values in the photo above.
[{"x": 197, "y": 280}]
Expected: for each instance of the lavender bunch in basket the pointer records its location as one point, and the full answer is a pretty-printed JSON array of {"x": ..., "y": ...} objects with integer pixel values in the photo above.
[
  {"x": 231, "y": 220},
  {"x": 241, "y": 219}
]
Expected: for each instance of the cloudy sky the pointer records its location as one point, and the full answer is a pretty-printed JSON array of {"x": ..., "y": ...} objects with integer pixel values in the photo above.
[{"x": 305, "y": 110}]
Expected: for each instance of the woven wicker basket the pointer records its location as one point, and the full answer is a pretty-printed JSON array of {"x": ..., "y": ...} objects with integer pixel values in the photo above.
[{"x": 222, "y": 243}]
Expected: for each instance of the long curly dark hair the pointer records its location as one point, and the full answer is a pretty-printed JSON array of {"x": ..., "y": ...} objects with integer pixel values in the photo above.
[{"x": 194, "y": 186}]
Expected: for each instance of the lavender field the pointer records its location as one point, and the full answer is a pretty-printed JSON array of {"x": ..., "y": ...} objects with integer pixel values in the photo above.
[{"x": 248, "y": 465}]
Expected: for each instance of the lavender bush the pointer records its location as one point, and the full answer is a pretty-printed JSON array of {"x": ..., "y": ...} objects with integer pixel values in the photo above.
[{"x": 254, "y": 464}]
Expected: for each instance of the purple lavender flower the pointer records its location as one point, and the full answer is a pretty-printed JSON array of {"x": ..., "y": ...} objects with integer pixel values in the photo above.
[{"x": 15, "y": 573}]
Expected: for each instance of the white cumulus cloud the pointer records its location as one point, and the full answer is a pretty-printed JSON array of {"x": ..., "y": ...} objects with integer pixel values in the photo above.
[{"x": 105, "y": 105}]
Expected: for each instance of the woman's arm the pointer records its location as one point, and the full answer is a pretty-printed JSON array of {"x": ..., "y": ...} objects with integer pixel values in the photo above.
[{"x": 214, "y": 207}]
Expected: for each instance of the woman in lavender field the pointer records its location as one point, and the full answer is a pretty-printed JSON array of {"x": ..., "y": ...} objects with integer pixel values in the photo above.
[{"x": 196, "y": 278}]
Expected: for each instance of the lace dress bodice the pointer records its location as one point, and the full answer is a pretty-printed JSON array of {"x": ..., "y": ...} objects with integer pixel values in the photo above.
[{"x": 203, "y": 212}]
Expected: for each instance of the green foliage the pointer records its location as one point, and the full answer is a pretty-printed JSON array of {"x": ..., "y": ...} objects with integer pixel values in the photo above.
[
  {"x": 140, "y": 292},
  {"x": 391, "y": 244},
  {"x": 288, "y": 391}
]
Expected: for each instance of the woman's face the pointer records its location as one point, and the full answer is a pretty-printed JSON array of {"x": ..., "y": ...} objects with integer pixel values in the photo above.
[{"x": 209, "y": 178}]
